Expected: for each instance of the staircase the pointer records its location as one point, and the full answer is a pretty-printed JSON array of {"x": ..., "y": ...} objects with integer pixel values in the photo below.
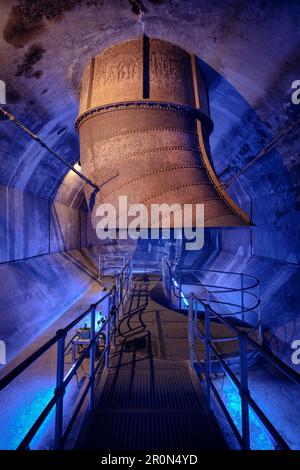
[{"x": 151, "y": 398}]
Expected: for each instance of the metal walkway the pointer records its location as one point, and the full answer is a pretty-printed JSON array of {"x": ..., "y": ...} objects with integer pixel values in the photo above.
[
  {"x": 151, "y": 336},
  {"x": 151, "y": 398}
]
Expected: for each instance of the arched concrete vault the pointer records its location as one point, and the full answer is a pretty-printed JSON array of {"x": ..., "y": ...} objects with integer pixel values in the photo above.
[{"x": 253, "y": 46}]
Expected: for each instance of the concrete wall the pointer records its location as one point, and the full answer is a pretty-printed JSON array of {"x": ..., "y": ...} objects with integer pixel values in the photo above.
[
  {"x": 43, "y": 269},
  {"x": 280, "y": 300},
  {"x": 36, "y": 291},
  {"x": 32, "y": 226}
]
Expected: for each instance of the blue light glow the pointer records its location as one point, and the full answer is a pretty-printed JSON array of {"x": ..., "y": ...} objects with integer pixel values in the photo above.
[
  {"x": 259, "y": 439},
  {"x": 26, "y": 408},
  {"x": 183, "y": 297}
]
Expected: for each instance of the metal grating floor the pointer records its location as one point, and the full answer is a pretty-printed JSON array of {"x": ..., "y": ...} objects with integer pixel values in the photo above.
[{"x": 150, "y": 401}]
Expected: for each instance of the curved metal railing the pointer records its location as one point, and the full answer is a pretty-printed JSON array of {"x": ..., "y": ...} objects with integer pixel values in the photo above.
[
  {"x": 110, "y": 264},
  {"x": 200, "y": 308},
  {"x": 112, "y": 305},
  {"x": 143, "y": 262},
  {"x": 231, "y": 294}
]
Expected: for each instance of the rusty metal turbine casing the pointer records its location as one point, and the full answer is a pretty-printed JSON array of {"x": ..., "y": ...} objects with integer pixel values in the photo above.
[{"x": 144, "y": 126}]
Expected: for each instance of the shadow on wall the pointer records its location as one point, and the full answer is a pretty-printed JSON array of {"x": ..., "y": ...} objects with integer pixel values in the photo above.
[{"x": 65, "y": 230}]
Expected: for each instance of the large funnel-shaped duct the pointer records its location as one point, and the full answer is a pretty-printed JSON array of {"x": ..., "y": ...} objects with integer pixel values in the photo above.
[{"x": 144, "y": 125}]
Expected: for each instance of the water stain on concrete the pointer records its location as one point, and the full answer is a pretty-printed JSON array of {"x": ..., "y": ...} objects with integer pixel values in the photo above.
[
  {"x": 19, "y": 30},
  {"x": 28, "y": 19},
  {"x": 138, "y": 7},
  {"x": 32, "y": 57}
]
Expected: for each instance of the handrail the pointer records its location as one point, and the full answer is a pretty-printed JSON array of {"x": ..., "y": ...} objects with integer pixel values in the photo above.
[
  {"x": 226, "y": 289},
  {"x": 266, "y": 353},
  {"x": 71, "y": 325},
  {"x": 173, "y": 287},
  {"x": 221, "y": 302},
  {"x": 107, "y": 259},
  {"x": 117, "y": 297},
  {"x": 218, "y": 271},
  {"x": 13, "y": 374},
  {"x": 242, "y": 384}
]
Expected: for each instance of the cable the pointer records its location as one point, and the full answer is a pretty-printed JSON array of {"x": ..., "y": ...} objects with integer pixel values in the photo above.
[
  {"x": 10, "y": 117},
  {"x": 272, "y": 144}
]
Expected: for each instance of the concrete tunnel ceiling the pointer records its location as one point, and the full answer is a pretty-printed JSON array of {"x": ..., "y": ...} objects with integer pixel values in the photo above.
[{"x": 250, "y": 55}]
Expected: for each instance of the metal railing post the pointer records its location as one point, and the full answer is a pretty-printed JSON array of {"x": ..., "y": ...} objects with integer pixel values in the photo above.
[
  {"x": 207, "y": 355},
  {"x": 107, "y": 342},
  {"x": 115, "y": 300},
  {"x": 111, "y": 312},
  {"x": 114, "y": 295},
  {"x": 124, "y": 280},
  {"x": 180, "y": 290},
  {"x": 169, "y": 285},
  {"x": 118, "y": 295},
  {"x": 191, "y": 329},
  {"x": 131, "y": 275},
  {"x": 259, "y": 313},
  {"x": 121, "y": 293},
  {"x": 92, "y": 358},
  {"x": 59, "y": 390},
  {"x": 242, "y": 296},
  {"x": 244, "y": 392},
  {"x": 127, "y": 283},
  {"x": 99, "y": 269}
]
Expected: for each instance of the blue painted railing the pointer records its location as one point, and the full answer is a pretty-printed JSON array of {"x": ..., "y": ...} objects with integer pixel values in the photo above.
[
  {"x": 200, "y": 309},
  {"x": 113, "y": 303}
]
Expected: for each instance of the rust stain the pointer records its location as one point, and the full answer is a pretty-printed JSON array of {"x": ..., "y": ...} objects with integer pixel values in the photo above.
[{"x": 26, "y": 20}]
